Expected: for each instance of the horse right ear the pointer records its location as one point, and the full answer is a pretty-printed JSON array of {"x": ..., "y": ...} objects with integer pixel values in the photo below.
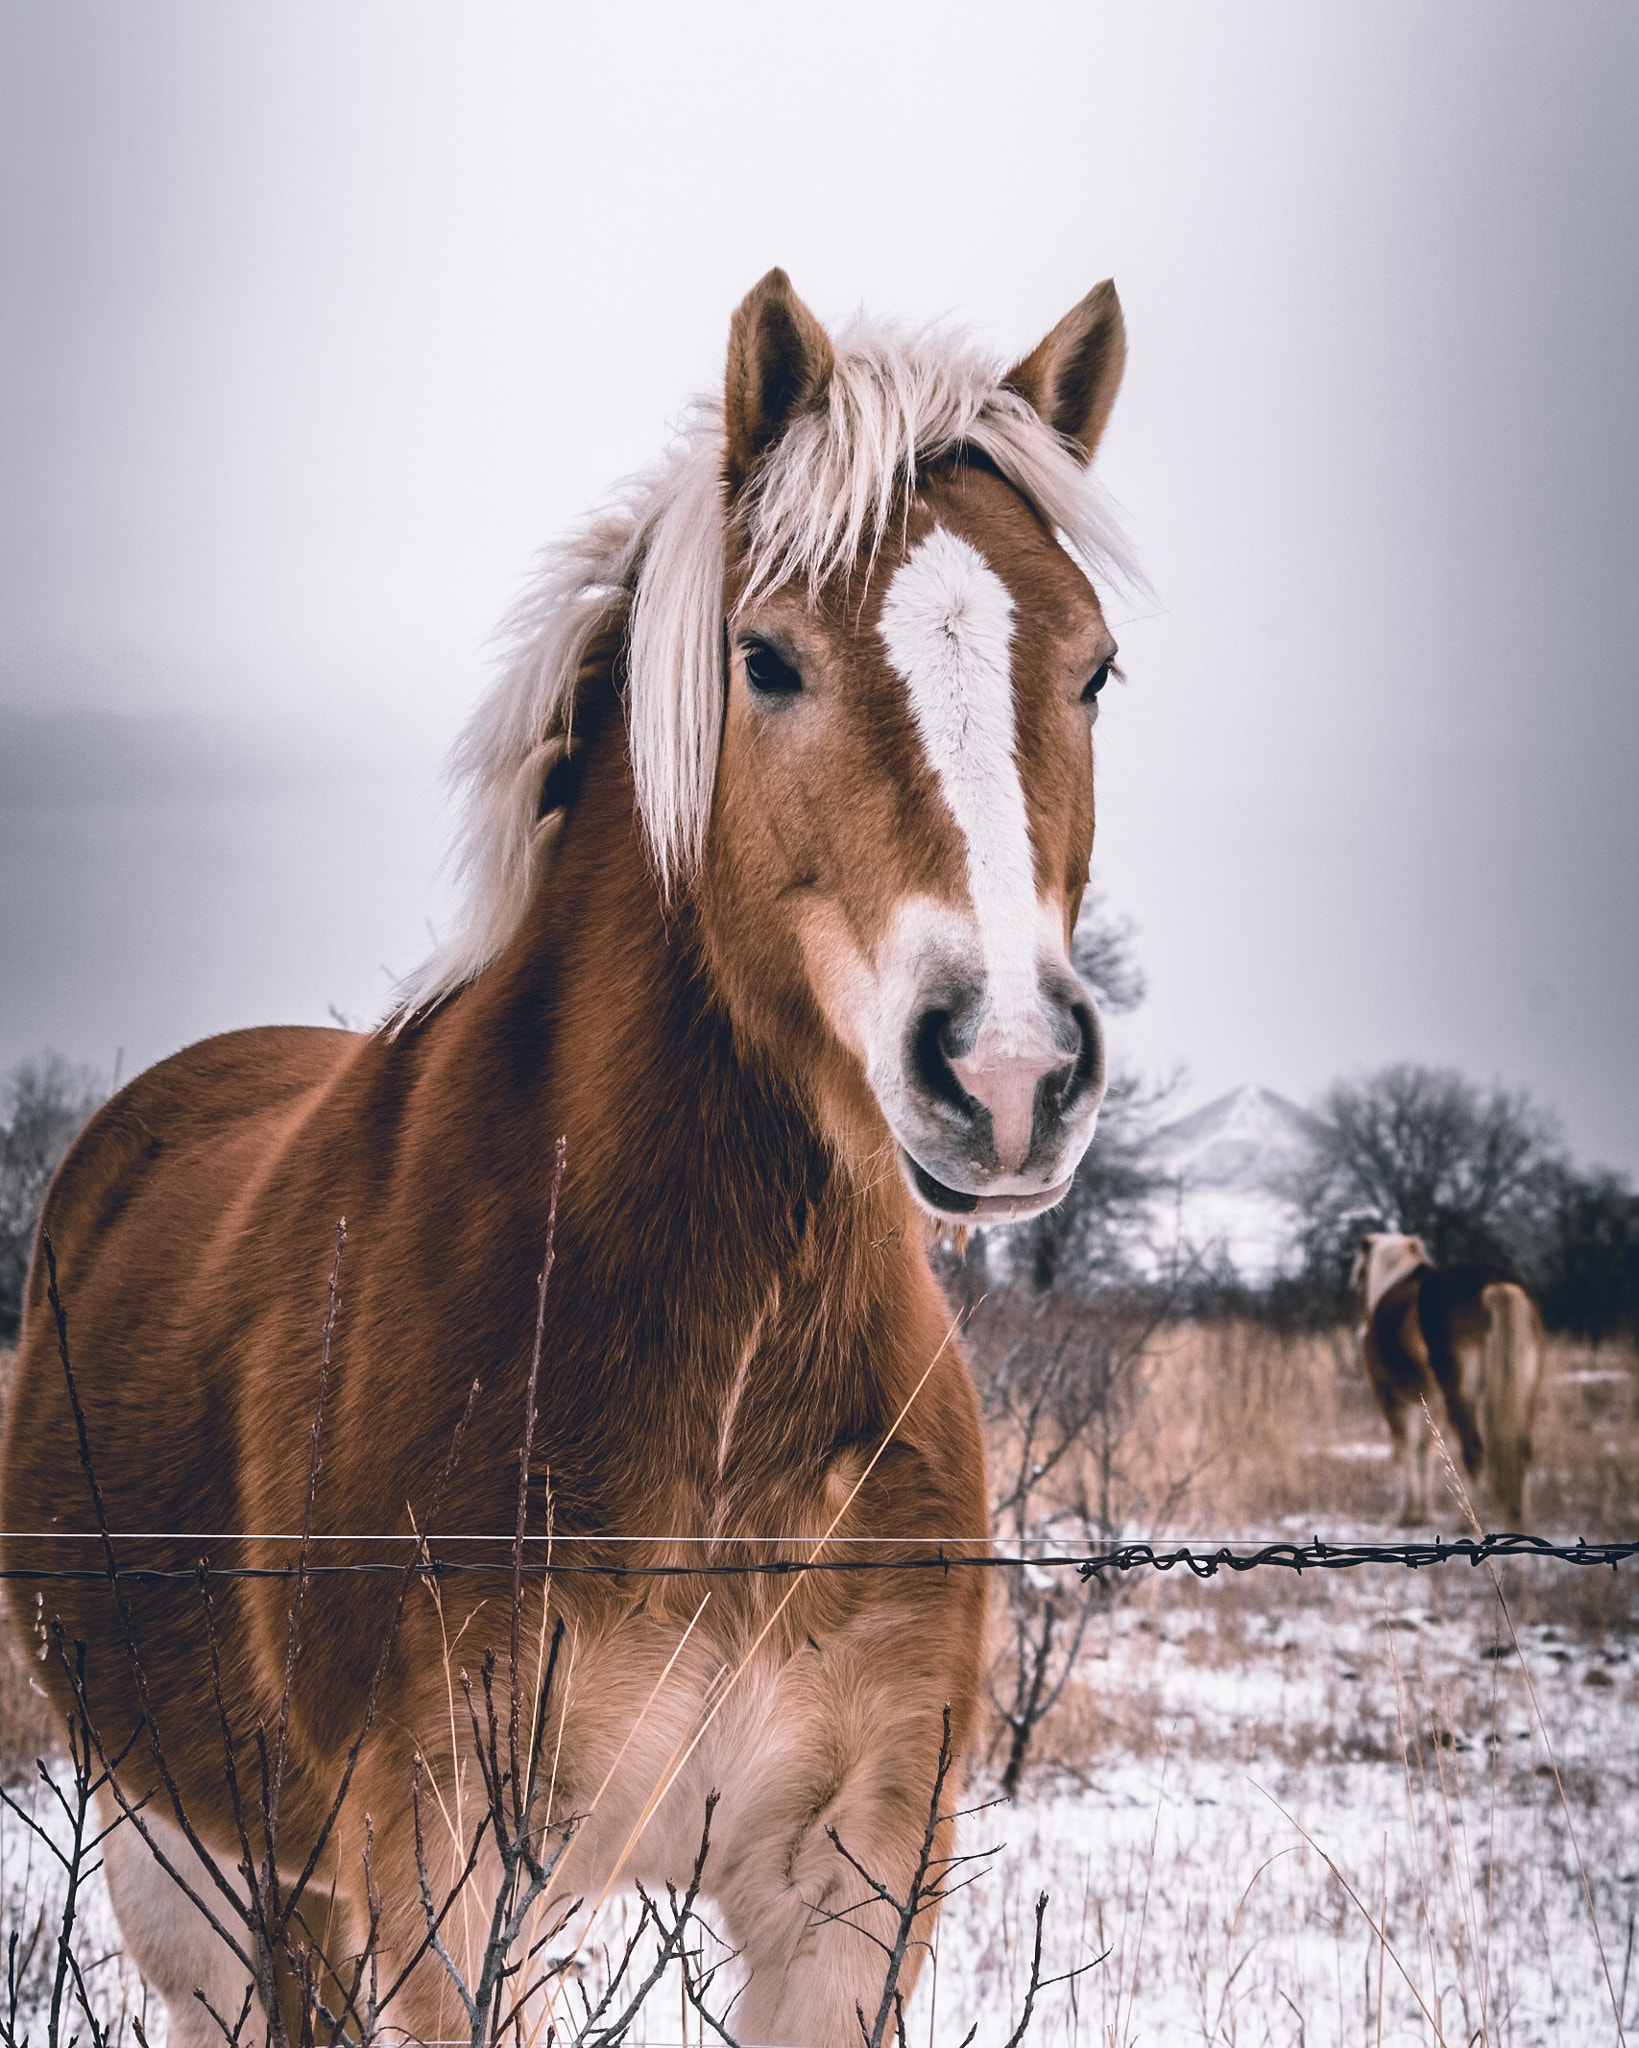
[
  {"x": 779, "y": 364},
  {"x": 1071, "y": 377}
]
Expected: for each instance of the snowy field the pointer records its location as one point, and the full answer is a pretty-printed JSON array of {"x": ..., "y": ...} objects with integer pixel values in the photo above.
[{"x": 1265, "y": 1756}]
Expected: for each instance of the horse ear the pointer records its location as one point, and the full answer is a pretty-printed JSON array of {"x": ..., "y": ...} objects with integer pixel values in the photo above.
[
  {"x": 779, "y": 364},
  {"x": 1071, "y": 377}
]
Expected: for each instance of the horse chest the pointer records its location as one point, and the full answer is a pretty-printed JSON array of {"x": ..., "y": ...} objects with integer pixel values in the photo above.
[{"x": 753, "y": 1436}]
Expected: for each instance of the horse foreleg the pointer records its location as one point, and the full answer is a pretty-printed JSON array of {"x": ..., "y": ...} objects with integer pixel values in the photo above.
[
  {"x": 816, "y": 1938},
  {"x": 167, "y": 1935},
  {"x": 1414, "y": 1443},
  {"x": 837, "y": 1807}
]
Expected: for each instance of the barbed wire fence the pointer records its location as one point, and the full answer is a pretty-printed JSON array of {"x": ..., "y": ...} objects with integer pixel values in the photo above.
[{"x": 1197, "y": 1557}]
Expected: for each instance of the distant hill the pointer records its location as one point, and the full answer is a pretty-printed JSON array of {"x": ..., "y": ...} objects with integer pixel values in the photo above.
[{"x": 1228, "y": 1160}]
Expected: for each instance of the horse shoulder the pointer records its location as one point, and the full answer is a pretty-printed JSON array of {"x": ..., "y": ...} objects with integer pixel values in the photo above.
[
  {"x": 180, "y": 1139},
  {"x": 92, "y": 1185}
]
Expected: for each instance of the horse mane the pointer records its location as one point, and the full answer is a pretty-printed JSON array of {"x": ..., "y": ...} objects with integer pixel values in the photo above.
[{"x": 654, "y": 557}]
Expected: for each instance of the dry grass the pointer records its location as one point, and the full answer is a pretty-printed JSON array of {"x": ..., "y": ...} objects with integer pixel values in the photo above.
[
  {"x": 1279, "y": 1431},
  {"x": 1298, "y": 1436}
]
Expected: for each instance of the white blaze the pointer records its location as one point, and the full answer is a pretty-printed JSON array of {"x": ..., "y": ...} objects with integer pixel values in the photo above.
[{"x": 947, "y": 623}]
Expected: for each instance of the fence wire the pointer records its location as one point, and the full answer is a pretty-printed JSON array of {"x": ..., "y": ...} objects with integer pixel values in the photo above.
[{"x": 1200, "y": 1558}]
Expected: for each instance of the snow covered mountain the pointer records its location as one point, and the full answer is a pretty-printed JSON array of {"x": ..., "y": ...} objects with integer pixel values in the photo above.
[{"x": 1229, "y": 1159}]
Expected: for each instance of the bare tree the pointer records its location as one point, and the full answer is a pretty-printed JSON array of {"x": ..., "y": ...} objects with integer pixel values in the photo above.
[
  {"x": 1422, "y": 1150},
  {"x": 43, "y": 1103},
  {"x": 1584, "y": 1254},
  {"x": 1062, "y": 1399}
]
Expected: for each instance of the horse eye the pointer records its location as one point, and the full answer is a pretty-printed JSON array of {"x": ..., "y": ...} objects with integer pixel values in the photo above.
[
  {"x": 766, "y": 672},
  {"x": 1096, "y": 682}
]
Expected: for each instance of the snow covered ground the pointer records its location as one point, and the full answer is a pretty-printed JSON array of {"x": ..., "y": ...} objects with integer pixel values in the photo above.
[{"x": 1266, "y": 1755}]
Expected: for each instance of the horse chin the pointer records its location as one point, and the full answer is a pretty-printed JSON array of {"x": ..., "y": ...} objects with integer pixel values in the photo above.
[{"x": 957, "y": 1205}]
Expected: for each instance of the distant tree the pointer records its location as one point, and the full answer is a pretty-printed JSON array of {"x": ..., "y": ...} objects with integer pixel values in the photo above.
[
  {"x": 43, "y": 1103},
  {"x": 1102, "y": 953},
  {"x": 1091, "y": 1237},
  {"x": 1585, "y": 1257},
  {"x": 1422, "y": 1150}
]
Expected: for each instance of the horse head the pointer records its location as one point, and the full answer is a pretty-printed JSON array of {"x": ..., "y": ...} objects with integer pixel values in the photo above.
[
  {"x": 1384, "y": 1257},
  {"x": 902, "y": 812}
]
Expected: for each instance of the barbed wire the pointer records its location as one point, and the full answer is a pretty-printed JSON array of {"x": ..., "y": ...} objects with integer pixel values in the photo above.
[{"x": 1201, "y": 1559}]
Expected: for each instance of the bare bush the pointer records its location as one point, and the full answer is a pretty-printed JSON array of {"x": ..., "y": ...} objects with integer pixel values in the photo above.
[
  {"x": 1061, "y": 1395},
  {"x": 44, "y": 1101}
]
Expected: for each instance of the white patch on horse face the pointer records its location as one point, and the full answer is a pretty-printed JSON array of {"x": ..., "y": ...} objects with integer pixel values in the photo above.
[{"x": 947, "y": 623}]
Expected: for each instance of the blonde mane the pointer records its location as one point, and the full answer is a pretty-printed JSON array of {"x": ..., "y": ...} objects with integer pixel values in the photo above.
[{"x": 822, "y": 497}]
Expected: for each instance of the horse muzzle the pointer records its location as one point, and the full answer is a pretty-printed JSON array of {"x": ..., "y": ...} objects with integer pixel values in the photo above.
[{"x": 993, "y": 1107}]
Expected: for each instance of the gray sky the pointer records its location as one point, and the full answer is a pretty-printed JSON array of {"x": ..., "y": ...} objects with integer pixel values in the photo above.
[{"x": 319, "y": 320}]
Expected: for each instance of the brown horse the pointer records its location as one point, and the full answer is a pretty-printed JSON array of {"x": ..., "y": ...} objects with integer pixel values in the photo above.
[
  {"x": 1470, "y": 1333},
  {"x": 780, "y": 821}
]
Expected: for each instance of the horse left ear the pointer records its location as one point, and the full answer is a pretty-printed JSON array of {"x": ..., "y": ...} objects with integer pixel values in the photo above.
[
  {"x": 779, "y": 364},
  {"x": 1071, "y": 377}
]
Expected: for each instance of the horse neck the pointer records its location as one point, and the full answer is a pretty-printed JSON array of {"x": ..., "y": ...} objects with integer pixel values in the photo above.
[{"x": 696, "y": 1181}]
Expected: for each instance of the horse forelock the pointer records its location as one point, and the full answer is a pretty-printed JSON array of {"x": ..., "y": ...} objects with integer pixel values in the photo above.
[{"x": 651, "y": 568}]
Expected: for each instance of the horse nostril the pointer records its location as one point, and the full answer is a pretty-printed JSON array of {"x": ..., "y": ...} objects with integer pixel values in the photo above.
[
  {"x": 1089, "y": 1056},
  {"x": 1063, "y": 1089},
  {"x": 930, "y": 1055}
]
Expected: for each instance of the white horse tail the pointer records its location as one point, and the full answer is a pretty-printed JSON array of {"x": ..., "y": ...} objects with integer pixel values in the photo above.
[{"x": 1510, "y": 1381}]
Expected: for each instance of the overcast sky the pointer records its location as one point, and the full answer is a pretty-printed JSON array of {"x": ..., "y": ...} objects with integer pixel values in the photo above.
[{"x": 319, "y": 320}]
